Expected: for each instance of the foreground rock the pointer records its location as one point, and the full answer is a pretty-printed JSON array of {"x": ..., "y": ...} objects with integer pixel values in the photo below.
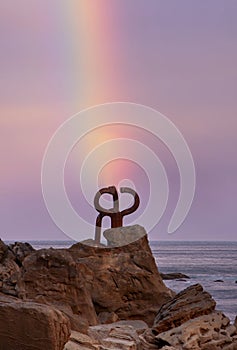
[
  {"x": 28, "y": 326},
  {"x": 208, "y": 332},
  {"x": 51, "y": 276},
  {"x": 120, "y": 287},
  {"x": 11, "y": 258},
  {"x": 120, "y": 335},
  {"x": 20, "y": 251},
  {"x": 87, "y": 283},
  {"x": 188, "y": 304},
  {"x": 189, "y": 321}
]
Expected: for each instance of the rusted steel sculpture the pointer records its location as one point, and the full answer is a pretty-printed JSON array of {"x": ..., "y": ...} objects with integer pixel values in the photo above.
[{"x": 115, "y": 215}]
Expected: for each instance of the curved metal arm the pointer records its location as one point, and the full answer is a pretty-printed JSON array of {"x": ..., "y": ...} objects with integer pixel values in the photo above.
[
  {"x": 136, "y": 201},
  {"x": 109, "y": 190}
]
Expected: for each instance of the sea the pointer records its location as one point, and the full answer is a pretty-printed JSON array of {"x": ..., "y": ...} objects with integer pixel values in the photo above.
[{"x": 204, "y": 262}]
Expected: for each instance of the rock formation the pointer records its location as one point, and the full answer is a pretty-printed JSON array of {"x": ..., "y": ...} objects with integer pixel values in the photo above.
[
  {"x": 28, "y": 326},
  {"x": 190, "y": 303},
  {"x": 86, "y": 283},
  {"x": 174, "y": 276},
  {"x": 106, "y": 298},
  {"x": 120, "y": 335},
  {"x": 189, "y": 321},
  {"x": 124, "y": 280}
]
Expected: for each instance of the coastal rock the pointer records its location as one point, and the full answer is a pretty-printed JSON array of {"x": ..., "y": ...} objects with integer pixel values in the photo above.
[
  {"x": 51, "y": 276},
  {"x": 116, "y": 335},
  {"x": 189, "y": 321},
  {"x": 125, "y": 280},
  {"x": 107, "y": 317},
  {"x": 85, "y": 282},
  {"x": 31, "y": 326},
  {"x": 134, "y": 327},
  {"x": 122, "y": 335},
  {"x": 188, "y": 304},
  {"x": 3, "y": 250},
  {"x": 10, "y": 266},
  {"x": 220, "y": 281},
  {"x": 80, "y": 341},
  {"x": 205, "y": 333},
  {"x": 21, "y": 251},
  {"x": 174, "y": 276},
  {"x": 9, "y": 274}
]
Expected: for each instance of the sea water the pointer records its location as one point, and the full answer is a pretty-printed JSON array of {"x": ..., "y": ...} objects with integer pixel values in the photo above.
[{"x": 204, "y": 263}]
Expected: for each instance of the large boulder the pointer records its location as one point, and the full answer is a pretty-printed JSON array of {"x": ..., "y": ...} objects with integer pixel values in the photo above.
[
  {"x": 189, "y": 321},
  {"x": 207, "y": 332},
  {"x": 31, "y": 326},
  {"x": 189, "y": 303},
  {"x": 125, "y": 279},
  {"x": 51, "y": 276}
]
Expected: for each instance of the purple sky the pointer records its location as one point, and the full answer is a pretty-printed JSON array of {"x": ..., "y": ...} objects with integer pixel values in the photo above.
[{"x": 178, "y": 57}]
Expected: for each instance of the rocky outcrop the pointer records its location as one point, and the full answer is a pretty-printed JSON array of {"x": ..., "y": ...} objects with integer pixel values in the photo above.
[
  {"x": 51, "y": 276},
  {"x": 80, "y": 341},
  {"x": 174, "y": 276},
  {"x": 20, "y": 251},
  {"x": 189, "y": 321},
  {"x": 188, "y": 304},
  {"x": 28, "y": 326},
  {"x": 124, "y": 280},
  {"x": 89, "y": 284},
  {"x": 205, "y": 332},
  {"x": 119, "y": 287},
  {"x": 122, "y": 335},
  {"x": 11, "y": 258},
  {"x": 9, "y": 271}
]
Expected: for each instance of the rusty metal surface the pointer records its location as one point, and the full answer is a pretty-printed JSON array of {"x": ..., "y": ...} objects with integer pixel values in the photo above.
[{"x": 115, "y": 215}]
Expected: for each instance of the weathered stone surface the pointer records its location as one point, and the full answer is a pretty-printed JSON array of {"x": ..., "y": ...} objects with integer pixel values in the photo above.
[
  {"x": 107, "y": 317},
  {"x": 121, "y": 236},
  {"x": 190, "y": 303},
  {"x": 105, "y": 337},
  {"x": 138, "y": 325},
  {"x": 188, "y": 322},
  {"x": 115, "y": 336},
  {"x": 79, "y": 341},
  {"x": 31, "y": 326},
  {"x": 173, "y": 276},
  {"x": 3, "y": 250},
  {"x": 21, "y": 251},
  {"x": 9, "y": 273},
  {"x": 208, "y": 332},
  {"x": 131, "y": 327},
  {"x": 125, "y": 279},
  {"x": 10, "y": 262},
  {"x": 86, "y": 281},
  {"x": 52, "y": 277}
]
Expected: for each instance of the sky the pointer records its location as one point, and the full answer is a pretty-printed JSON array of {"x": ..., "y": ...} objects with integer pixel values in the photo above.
[{"x": 60, "y": 57}]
